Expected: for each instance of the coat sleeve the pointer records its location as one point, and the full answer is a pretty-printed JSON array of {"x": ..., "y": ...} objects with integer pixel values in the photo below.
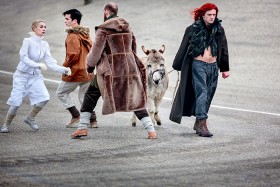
[
  {"x": 51, "y": 62},
  {"x": 177, "y": 63},
  {"x": 97, "y": 48},
  {"x": 224, "y": 62},
  {"x": 72, "y": 50}
]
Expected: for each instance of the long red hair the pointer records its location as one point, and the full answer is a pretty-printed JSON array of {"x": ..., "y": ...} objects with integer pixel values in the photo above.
[{"x": 199, "y": 12}]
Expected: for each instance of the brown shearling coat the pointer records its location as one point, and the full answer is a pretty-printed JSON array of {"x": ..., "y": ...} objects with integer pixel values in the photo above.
[
  {"x": 77, "y": 44},
  {"x": 121, "y": 76}
]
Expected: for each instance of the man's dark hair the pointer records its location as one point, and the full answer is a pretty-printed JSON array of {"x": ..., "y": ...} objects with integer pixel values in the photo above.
[
  {"x": 74, "y": 14},
  {"x": 112, "y": 8}
]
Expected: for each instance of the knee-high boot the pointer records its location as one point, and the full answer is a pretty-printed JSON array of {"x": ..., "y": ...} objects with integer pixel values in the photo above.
[
  {"x": 8, "y": 121},
  {"x": 30, "y": 118}
]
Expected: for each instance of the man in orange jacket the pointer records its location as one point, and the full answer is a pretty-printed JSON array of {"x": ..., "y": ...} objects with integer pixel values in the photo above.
[{"x": 78, "y": 44}]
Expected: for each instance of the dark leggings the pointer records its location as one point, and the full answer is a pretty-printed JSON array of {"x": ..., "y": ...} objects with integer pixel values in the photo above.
[{"x": 93, "y": 94}]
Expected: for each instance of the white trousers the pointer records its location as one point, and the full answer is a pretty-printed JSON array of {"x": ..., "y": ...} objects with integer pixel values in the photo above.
[
  {"x": 32, "y": 86},
  {"x": 65, "y": 88}
]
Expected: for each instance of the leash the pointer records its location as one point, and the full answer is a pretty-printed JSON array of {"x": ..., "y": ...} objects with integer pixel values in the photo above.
[{"x": 177, "y": 83}]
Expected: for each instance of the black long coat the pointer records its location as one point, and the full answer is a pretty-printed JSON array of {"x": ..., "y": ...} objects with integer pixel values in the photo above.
[{"x": 184, "y": 101}]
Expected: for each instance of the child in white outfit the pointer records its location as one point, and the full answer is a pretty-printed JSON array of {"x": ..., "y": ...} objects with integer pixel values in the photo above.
[{"x": 28, "y": 80}]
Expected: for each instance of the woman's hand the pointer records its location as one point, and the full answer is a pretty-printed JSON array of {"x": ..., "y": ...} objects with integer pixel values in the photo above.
[
  {"x": 68, "y": 71},
  {"x": 43, "y": 66}
]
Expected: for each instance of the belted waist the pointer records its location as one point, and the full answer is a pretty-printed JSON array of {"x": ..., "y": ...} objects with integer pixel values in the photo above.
[{"x": 30, "y": 73}]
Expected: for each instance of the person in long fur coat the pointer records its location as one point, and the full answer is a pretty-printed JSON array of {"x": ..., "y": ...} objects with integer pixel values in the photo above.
[{"x": 121, "y": 76}]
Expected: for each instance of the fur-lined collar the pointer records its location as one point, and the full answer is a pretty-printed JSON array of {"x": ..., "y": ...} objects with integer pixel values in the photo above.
[
  {"x": 204, "y": 36},
  {"x": 78, "y": 29}
]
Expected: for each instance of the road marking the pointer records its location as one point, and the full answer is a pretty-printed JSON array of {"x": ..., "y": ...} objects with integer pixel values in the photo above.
[
  {"x": 170, "y": 99},
  {"x": 49, "y": 80},
  {"x": 236, "y": 109},
  {"x": 244, "y": 110},
  {"x": 6, "y": 72}
]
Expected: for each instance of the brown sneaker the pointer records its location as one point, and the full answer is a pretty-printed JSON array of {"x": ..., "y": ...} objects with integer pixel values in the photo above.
[
  {"x": 79, "y": 133},
  {"x": 93, "y": 124},
  {"x": 152, "y": 135},
  {"x": 73, "y": 123}
]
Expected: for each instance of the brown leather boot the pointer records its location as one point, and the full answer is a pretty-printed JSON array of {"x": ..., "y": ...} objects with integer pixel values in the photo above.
[
  {"x": 195, "y": 125},
  {"x": 202, "y": 129}
]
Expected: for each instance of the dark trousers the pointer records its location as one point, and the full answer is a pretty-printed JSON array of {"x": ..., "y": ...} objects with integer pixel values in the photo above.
[
  {"x": 205, "y": 80},
  {"x": 93, "y": 94}
]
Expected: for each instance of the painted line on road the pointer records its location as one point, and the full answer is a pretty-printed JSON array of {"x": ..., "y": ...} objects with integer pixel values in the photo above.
[
  {"x": 49, "y": 80},
  {"x": 244, "y": 110},
  {"x": 236, "y": 109},
  {"x": 169, "y": 99}
]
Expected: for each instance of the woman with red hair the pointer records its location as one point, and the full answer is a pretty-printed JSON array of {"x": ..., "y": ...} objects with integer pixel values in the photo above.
[{"x": 202, "y": 53}]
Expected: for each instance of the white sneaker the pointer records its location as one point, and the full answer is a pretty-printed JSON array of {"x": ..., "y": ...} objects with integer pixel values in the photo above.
[
  {"x": 31, "y": 123},
  {"x": 5, "y": 128}
]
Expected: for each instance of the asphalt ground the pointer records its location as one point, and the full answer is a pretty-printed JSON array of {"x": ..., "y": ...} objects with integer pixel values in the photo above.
[{"x": 244, "y": 116}]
